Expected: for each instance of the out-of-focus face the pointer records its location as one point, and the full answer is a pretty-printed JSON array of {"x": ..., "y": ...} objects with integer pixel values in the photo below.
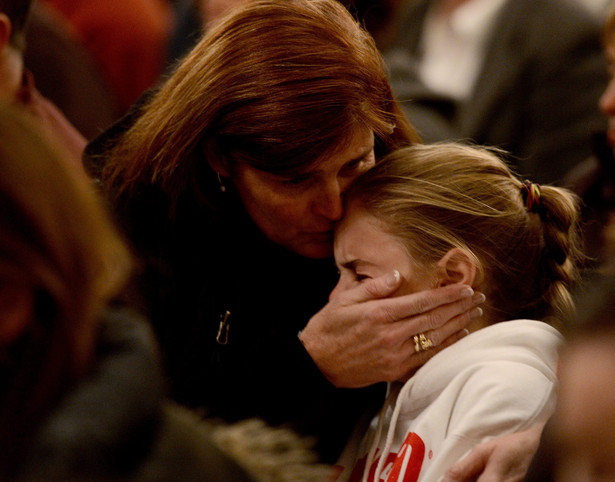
[
  {"x": 607, "y": 100},
  {"x": 16, "y": 312},
  {"x": 300, "y": 212},
  {"x": 584, "y": 422},
  {"x": 212, "y": 10},
  {"x": 364, "y": 250}
]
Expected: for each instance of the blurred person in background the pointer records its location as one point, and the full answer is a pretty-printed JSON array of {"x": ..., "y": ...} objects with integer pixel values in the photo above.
[
  {"x": 522, "y": 75},
  {"x": 66, "y": 73},
  {"x": 579, "y": 441},
  {"x": 194, "y": 17},
  {"x": 83, "y": 396},
  {"x": 594, "y": 179},
  {"x": 128, "y": 39},
  {"x": 17, "y": 83}
]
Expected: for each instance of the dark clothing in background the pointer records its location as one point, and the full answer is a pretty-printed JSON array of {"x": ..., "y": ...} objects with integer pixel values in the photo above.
[
  {"x": 115, "y": 425},
  {"x": 536, "y": 95}
]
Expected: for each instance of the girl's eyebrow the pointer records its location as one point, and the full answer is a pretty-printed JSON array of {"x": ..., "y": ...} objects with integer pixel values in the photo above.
[
  {"x": 352, "y": 264},
  {"x": 349, "y": 265}
]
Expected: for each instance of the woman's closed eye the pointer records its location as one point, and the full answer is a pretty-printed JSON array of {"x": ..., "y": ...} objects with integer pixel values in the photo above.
[
  {"x": 357, "y": 166},
  {"x": 299, "y": 180}
]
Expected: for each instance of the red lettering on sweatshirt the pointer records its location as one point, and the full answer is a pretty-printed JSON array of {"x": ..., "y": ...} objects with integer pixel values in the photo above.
[{"x": 404, "y": 466}]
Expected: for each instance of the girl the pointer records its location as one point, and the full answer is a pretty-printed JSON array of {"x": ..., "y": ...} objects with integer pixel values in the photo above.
[{"x": 444, "y": 214}]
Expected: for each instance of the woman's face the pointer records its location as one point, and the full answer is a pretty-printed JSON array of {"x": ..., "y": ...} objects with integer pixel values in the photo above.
[
  {"x": 213, "y": 10},
  {"x": 364, "y": 250},
  {"x": 300, "y": 212},
  {"x": 16, "y": 311},
  {"x": 607, "y": 100}
]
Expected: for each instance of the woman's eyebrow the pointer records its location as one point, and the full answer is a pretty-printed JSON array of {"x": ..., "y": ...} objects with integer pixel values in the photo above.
[{"x": 363, "y": 155}]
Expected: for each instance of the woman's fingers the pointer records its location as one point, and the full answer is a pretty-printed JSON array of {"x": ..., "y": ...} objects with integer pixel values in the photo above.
[
  {"x": 505, "y": 458},
  {"x": 444, "y": 321},
  {"x": 411, "y": 353},
  {"x": 363, "y": 337},
  {"x": 407, "y": 305},
  {"x": 426, "y": 310}
]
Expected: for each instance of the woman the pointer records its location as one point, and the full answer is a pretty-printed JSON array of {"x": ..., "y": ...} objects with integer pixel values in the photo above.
[
  {"x": 450, "y": 213},
  {"x": 228, "y": 180}
]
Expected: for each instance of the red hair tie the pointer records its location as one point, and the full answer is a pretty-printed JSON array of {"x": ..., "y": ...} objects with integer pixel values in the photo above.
[{"x": 531, "y": 196}]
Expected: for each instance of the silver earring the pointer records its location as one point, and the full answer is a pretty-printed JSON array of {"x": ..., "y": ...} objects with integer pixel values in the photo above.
[{"x": 222, "y": 186}]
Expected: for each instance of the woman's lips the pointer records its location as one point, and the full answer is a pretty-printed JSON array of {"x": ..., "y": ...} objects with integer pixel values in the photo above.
[
  {"x": 610, "y": 137},
  {"x": 321, "y": 235}
]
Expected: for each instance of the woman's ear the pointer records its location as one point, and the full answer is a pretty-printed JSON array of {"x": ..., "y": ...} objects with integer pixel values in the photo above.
[
  {"x": 220, "y": 167},
  {"x": 218, "y": 163},
  {"x": 457, "y": 266}
]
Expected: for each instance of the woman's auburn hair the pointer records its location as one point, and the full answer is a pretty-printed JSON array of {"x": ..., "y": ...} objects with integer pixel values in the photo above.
[
  {"x": 57, "y": 242},
  {"x": 445, "y": 195},
  {"x": 276, "y": 85}
]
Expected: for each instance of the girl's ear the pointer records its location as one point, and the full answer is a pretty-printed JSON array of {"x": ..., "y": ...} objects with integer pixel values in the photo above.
[{"x": 457, "y": 266}]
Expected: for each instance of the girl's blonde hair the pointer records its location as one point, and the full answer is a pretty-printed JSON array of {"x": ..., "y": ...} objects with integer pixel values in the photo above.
[
  {"x": 56, "y": 242},
  {"x": 441, "y": 196}
]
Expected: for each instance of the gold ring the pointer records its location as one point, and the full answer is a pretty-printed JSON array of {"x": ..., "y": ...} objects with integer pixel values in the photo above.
[{"x": 422, "y": 343}]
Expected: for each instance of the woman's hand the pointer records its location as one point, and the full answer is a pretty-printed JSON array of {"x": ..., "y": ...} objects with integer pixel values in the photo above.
[
  {"x": 360, "y": 337},
  {"x": 504, "y": 459}
]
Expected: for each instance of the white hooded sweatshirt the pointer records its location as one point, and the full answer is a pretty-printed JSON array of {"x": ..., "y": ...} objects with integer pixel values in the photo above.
[{"x": 497, "y": 380}]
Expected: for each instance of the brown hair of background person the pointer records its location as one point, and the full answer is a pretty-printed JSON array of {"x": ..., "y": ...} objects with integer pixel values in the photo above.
[{"x": 60, "y": 263}]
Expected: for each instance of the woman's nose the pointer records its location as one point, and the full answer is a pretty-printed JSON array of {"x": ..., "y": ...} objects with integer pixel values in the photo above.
[
  {"x": 330, "y": 201},
  {"x": 607, "y": 100}
]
